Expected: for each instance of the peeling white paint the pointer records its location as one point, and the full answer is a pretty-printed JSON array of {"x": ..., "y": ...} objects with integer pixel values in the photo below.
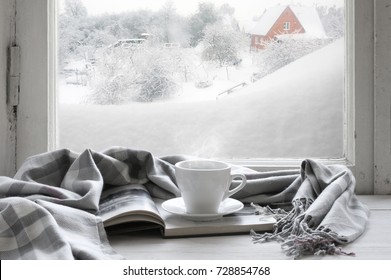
[
  {"x": 7, "y": 113},
  {"x": 382, "y": 127}
]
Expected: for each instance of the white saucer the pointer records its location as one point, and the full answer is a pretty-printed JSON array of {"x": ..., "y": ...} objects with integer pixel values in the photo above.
[{"x": 177, "y": 206}]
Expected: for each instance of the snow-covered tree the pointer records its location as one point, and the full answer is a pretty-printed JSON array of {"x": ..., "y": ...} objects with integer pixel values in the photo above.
[
  {"x": 71, "y": 35},
  {"x": 135, "y": 22},
  {"x": 333, "y": 20},
  {"x": 75, "y": 8},
  {"x": 222, "y": 44},
  {"x": 167, "y": 18},
  {"x": 206, "y": 14},
  {"x": 226, "y": 9}
]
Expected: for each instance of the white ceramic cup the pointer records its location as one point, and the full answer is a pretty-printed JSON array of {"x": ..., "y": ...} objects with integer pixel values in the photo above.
[{"x": 204, "y": 184}]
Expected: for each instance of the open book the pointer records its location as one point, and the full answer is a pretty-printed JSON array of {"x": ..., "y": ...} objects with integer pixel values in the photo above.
[{"x": 131, "y": 208}]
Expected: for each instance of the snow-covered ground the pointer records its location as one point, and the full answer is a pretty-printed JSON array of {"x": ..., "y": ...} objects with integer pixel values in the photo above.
[{"x": 294, "y": 112}]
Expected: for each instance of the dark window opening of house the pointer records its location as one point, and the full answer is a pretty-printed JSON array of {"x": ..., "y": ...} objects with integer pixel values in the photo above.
[{"x": 210, "y": 79}]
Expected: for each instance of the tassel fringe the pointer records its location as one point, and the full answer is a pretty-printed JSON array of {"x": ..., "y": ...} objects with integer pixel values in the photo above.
[{"x": 297, "y": 238}]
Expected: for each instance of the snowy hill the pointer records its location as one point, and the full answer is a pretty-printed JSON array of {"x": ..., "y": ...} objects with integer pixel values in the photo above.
[{"x": 299, "y": 107}]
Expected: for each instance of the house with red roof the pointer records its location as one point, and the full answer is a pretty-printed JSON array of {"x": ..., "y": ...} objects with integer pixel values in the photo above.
[{"x": 286, "y": 20}]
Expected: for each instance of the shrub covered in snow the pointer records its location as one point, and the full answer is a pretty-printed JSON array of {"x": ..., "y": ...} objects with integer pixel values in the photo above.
[
  {"x": 222, "y": 44},
  {"x": 155, "y": 77},
  {"x": 284, "y": 50},
  {"x": 144, "y": 73},
  {"x": 110, "y": 83}
]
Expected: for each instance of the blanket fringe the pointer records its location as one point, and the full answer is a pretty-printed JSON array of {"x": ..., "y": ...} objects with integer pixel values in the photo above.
[{"x": 297, "y": 238}]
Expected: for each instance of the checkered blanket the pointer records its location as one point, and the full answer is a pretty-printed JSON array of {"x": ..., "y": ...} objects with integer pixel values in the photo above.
[{"x": 49, "y": 209}]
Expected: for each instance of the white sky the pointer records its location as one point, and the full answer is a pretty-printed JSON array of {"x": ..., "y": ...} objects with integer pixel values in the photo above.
[{"x": 244, "y": 9}]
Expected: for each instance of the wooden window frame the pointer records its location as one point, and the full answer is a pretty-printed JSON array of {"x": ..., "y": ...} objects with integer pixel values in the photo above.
[{"x": 37, "y": 121}]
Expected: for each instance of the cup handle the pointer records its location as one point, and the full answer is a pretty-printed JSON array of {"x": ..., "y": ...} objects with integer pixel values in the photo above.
[{"x": 238, "y": 188}]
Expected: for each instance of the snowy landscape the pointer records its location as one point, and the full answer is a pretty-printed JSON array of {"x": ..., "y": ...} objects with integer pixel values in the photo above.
[
  {"x": 293, "y": 112},
  {"x": 300, "y": 116}
]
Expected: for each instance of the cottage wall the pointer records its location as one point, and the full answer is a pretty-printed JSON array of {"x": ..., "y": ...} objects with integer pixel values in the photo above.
[{"x": 278, "y": 28}]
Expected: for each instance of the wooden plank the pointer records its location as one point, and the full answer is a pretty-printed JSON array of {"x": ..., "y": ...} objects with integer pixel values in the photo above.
[
  {"x": 361, "y": 128},
  {"x": 31, "y": 36},
  {"x": 217, "y": 247},
  {"x": 382, "y": 134},
  {"x": 7, "y": 112},
  {"x": 376, "y": 202}
]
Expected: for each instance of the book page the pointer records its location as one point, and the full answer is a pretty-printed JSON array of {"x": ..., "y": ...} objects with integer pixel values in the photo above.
[{"x": 129, "y": 203}]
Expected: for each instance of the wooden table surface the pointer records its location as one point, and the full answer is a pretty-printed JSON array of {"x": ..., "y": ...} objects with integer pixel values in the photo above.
[{"x": 374, "y": 244}]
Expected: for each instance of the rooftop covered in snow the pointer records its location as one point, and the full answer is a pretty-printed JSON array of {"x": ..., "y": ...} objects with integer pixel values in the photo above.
[{"x": 307, "y": 16}]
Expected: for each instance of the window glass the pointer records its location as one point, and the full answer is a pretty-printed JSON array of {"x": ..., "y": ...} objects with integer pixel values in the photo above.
[{"x": 211, "y": 79}]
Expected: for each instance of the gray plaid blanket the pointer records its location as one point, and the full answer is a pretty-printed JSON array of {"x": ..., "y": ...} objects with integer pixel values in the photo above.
[{"x": 49, "y": 209}]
